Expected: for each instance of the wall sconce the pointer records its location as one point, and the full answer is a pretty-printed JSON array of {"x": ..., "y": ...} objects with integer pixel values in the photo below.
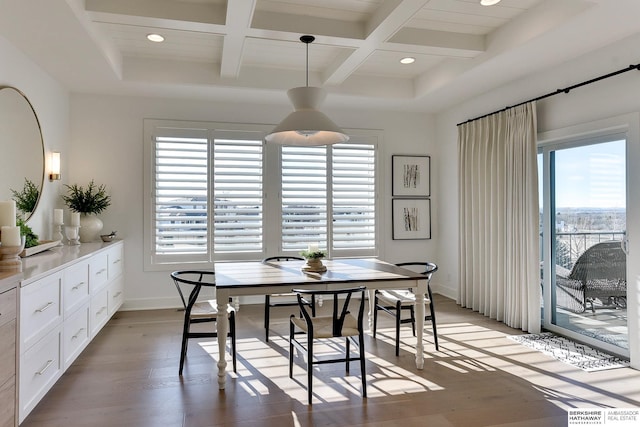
[{"x": 54, "y": 166}]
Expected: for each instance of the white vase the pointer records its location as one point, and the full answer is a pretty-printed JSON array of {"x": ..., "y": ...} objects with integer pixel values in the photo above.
[{"x": 90, "y": 228}]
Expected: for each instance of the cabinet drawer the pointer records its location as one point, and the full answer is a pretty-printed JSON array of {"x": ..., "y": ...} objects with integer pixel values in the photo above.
[
  {"x": 99, "y": 311},
  {"x": 40, "y": 309},
  {"x": 116, "y": 295},
  {"x": 7, "y": 351},
  {"x": 75, "y": 287},
  {"x": 116, "y": 260},
  {"x": 8, "y": 306},
  {"x": 75, "y": 335},
  {"x": 40, "y": 368},
  {"x": 98, "y": 271}
]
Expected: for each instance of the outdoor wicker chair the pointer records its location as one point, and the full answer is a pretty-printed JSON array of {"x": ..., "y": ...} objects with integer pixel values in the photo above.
[{"x": 599, "y": 274}]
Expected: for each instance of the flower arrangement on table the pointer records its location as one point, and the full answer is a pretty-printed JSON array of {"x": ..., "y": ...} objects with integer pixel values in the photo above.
[{"x": 314, "y": 256}]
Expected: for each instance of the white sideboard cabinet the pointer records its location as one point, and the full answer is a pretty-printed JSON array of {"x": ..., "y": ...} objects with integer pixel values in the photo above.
[{"x": 66, "y": 296}]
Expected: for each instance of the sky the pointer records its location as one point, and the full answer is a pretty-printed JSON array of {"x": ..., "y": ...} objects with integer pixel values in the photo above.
[{"x": 591, "y": 176}]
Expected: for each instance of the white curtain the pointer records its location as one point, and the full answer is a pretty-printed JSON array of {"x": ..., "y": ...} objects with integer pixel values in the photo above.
[{"x": 499, "y": 217}]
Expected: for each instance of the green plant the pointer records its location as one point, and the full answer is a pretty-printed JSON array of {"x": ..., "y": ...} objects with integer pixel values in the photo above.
[
  {"x": 94, "y": 199},
  {"x": 27, "y": 198},
  {"x": 313, "y": 254},
  {"x": 31, "y": 238}
]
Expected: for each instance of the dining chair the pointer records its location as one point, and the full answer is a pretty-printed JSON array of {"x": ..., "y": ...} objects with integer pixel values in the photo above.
[
  {"x": 191, "y": 282},
  {"x": 393, "y": 302},
  {"x": 286, "y": 299},
  {"x": 339, "y": 323}
]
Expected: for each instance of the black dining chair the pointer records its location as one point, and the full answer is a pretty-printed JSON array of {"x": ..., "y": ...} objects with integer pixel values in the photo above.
[
  {"x": 191, "y": 282},
  {"x": 339, "y": 323},
  {"x": 393, "y": 302},
  {"x": 286, "y": 299}
]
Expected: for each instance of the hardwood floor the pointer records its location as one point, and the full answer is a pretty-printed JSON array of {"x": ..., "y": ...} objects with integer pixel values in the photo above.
[{"x": 128, "y": 376}]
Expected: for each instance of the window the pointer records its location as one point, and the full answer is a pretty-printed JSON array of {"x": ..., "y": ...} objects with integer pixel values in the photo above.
[{"x": 208, "y": 185}]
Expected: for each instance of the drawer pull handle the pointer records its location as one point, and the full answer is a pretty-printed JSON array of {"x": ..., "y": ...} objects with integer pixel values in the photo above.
[
  {"x": 77, "y": 286},
  {"x": 77, "y": 334},
  {"x": 116, "y": 261},
  {"x": 117, "y": 294},
  {"x": 45, "y": 307},
  {"x": 101, "y": 271},
  {"x": 101, "y": 310},
  {"x": 42, "y": 371}
]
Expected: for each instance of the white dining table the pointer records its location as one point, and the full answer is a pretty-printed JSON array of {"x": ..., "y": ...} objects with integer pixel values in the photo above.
[{"x": 256, "y": 278}]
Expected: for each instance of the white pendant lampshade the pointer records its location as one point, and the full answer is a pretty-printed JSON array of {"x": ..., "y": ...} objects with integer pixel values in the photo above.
[{"x": 306, "y": 125}]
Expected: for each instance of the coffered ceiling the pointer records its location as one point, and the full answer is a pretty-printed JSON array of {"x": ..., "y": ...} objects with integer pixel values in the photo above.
[{"x": 249, "y": 50}]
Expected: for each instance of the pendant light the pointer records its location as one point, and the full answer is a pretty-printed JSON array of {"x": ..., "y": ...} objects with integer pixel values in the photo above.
[{"x": 306, "y": 125}]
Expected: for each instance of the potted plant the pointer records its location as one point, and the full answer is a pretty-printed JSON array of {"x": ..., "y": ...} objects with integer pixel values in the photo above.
[
  {"x": 27, "y": 198},
  {"x": 89, "y": 202},
  {"x": 314, "y": 256}
]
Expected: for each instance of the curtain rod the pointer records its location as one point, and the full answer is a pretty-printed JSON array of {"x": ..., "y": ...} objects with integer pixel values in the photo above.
[{"x": 558, "y": 91}]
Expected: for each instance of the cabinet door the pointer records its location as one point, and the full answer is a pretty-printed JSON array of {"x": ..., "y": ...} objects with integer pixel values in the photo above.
[
  {"x": 75, "y": 287},
  {"x": 40, "y": 309},
  {"x": 75, "y": 335},
  {"x": 116, "y": 295},
  {"x": 99, "y": 311},
  {"x": 116, "y": 261},
  {"x": 40, "y": 368},
  {"x": 98, "y": 272}
]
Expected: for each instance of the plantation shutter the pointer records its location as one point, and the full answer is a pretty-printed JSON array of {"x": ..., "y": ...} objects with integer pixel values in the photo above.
[
  {"x": 304, "y": 197},
  {"x": 180, "y": 196},
  {"x": 238, "y": 195},
  {"x": 353, "y": 190}
]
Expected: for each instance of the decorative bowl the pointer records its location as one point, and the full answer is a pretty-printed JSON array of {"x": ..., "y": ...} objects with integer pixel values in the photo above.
[{"x": 108, "y": 237}]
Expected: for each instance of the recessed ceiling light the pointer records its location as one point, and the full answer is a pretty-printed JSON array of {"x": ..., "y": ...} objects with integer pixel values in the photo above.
[
  {"x": 489, "y": 2},
  {"x": 155, "y": 38},
  {"x": 408, "y": 60}
]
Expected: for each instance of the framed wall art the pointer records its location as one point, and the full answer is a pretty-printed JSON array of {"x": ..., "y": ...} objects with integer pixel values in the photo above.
[
  {"x": 411, "y": 176},
  {"x": 411, "y": 219}
]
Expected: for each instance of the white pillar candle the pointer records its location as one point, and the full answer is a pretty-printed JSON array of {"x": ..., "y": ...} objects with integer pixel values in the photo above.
[
  {"x": 8, "y": 213},
  {"x": 57, "y": 217},
  {"x": 10, "y": 236},
  {"x": 75, "y": 219}
]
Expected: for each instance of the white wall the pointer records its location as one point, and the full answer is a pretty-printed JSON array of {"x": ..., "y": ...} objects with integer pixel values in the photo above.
[
  {"x": 608, "y": 98},
  {"x": 51, "y": 104},
  {"x": 107, "y": 145}
]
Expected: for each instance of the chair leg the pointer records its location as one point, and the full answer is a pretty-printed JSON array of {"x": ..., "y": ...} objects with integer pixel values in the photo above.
[
  {"x": 433, "y": 324},
  {"x": 362, "y": 364},
  {"x": 347, "y": 354},
  {"x": 313, "y": 305},
  {"x": 232, "y": 328},
  {"x": 398, "y": 313},
  {"x": 413, "y": 319},
  {"x": 291, "y": 333},
  {"x": 185, "y": 333},
  {"x": 267, "y": 307},
  {"x": 375, "y": 315},
  {"x": 309, "y": 367}
]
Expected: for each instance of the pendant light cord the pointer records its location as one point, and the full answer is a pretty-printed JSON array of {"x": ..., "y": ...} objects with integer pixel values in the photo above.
[{"x": 306, "y": 39}]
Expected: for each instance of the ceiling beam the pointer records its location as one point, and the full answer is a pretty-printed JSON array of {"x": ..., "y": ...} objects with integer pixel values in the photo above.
[{"x": 238, "y": 20}]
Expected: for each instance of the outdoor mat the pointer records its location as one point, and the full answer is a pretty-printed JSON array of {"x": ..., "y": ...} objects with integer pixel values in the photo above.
[{"x": 570, "y": 352}]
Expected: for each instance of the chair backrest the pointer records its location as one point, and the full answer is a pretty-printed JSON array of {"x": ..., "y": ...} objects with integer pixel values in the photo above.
[
  {"x": 340, "y": 308},
  {"x": 604, "y": 260},
  {"x": 195, "y": 278},
  {"x": 282, "y": 258},
  {"x": 429, "y": 267}
]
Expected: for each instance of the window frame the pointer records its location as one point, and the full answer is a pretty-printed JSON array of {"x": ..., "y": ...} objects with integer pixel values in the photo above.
[{"x": 271, "y": 193}]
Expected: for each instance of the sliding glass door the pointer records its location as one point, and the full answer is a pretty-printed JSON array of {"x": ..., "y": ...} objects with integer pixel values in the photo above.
[{"x": 583, "y": 229}]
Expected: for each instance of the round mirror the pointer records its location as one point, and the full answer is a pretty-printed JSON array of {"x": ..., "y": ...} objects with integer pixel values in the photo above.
[{"x": 22, "y": 159}]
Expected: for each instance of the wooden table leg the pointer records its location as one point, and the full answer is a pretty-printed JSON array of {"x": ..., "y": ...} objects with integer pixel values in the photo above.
[
  {"x": 420, "y": 290},
  {"x": 223, "y": 329}
]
